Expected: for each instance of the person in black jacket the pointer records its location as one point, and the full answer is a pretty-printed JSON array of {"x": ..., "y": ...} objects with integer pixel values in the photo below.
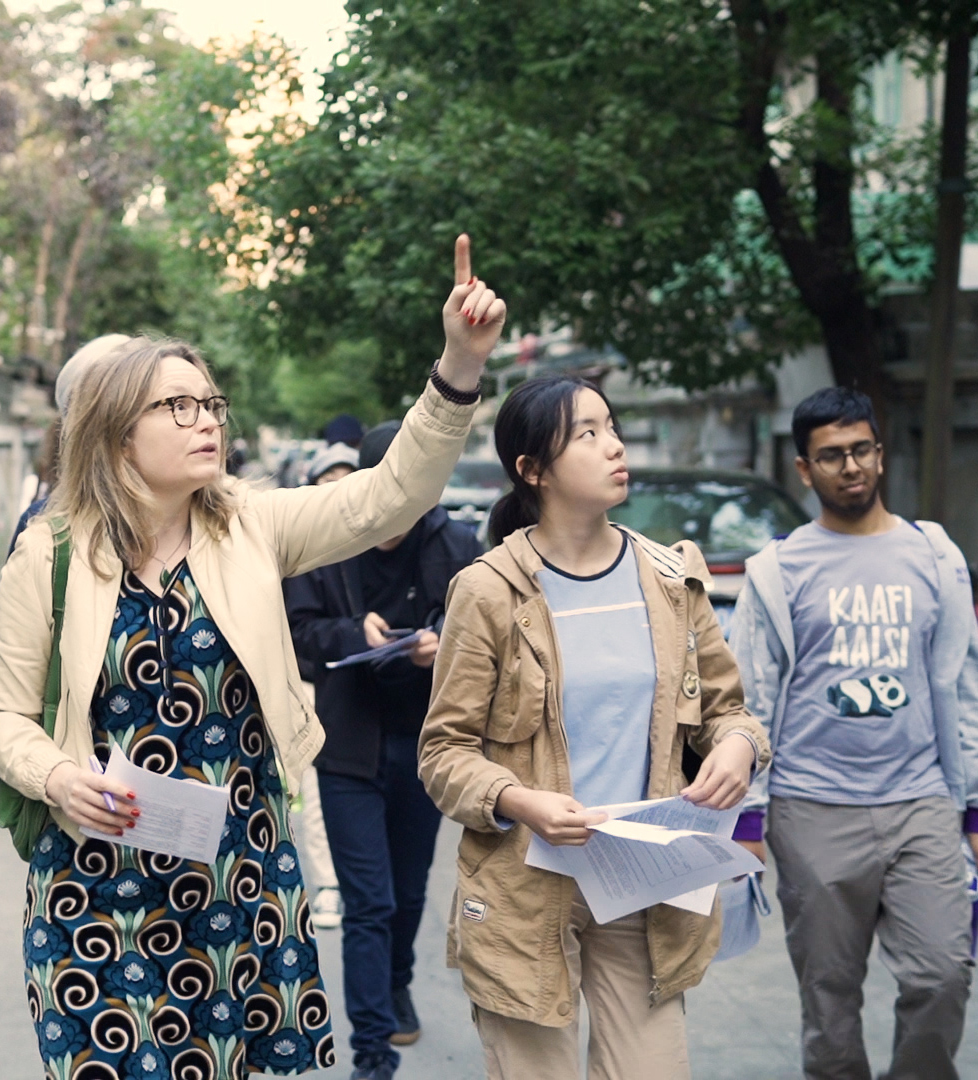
[{"x": 380, "y": 821}]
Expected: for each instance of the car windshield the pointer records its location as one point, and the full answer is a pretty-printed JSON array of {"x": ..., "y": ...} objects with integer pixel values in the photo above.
[
  {"x": 478, "y": 474},
  {"x": 726, "y": 519}
]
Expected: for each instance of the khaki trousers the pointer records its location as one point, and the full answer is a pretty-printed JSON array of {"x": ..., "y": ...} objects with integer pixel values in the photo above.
[
  {"x": 847, "y": 872},
  {"x": 629, "y": 1038}
]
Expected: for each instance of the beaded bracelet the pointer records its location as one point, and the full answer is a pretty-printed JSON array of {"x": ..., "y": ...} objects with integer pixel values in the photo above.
[{"x": 451, "y": 393}]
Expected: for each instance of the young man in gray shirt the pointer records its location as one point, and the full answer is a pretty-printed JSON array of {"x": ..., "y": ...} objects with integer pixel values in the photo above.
[{"x": 858, "y": 646}]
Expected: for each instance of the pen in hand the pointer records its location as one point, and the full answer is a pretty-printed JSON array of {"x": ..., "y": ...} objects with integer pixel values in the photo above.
[{"x": 97, "y": 768}]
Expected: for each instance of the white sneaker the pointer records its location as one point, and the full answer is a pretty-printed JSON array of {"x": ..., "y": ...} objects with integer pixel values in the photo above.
[{"x": 327, "y": 909}]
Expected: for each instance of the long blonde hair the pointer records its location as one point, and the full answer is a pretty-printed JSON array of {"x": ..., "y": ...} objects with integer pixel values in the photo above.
[{"x": 99, "y": 489}]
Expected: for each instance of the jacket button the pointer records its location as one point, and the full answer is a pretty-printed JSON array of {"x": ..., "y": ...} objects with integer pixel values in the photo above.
[
  {"x": 563, "y": 1009},
  {"x": 526, "y": 622}
]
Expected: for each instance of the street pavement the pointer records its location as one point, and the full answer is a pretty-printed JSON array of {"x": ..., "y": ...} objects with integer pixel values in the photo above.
[{"x": 742, "y": 1020}]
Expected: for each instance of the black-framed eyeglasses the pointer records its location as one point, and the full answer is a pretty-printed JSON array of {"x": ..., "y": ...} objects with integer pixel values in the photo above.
[
  {"x": 186, "y": 408},
  {"x": 832, "y": 460}
]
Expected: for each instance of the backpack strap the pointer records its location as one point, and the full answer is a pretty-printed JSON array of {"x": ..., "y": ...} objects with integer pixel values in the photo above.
[{"x": 59, "y": 584}]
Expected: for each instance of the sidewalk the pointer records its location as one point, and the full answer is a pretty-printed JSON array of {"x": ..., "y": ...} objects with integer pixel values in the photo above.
[{"x": 742, "y": 1021}]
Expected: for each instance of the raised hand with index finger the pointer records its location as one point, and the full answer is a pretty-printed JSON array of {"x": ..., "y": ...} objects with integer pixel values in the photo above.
[{"x": 474, "y": 317}]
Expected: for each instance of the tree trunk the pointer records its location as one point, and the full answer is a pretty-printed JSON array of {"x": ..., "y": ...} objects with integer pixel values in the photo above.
[
  {"x": 939, "y": 399},
  {"x": 37, "y": 323},
  {"x": 821, "y": 259},
  {"x": 852, "y": 341},
  {"x": 68, "y": 284}
]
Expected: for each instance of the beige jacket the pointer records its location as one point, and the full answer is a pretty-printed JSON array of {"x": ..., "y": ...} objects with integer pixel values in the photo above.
[
  {"x": 273, "y": 534},
  {"x": 495, "y": 720}
]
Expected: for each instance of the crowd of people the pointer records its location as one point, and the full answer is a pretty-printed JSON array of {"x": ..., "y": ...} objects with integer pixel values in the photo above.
[{"x": 349, "y": 645}]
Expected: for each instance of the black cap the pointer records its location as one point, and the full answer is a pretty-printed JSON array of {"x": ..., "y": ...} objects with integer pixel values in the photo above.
[
  {"x": 345, "y": 429},
  {"x": 376, "y": 442}
]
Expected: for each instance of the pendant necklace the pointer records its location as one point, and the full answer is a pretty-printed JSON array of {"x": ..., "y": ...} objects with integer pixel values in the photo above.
[{"x": 164, "y": 573}]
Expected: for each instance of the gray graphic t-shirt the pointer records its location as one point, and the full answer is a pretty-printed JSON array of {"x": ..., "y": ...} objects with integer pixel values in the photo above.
[{"x": 858, "y": 724}]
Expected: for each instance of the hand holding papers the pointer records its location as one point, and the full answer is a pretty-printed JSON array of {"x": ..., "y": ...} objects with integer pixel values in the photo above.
[
  {"x": 177, "y": 817},
  {"x": 653, "y": 852},
  {"x": 401, "y": 645}
]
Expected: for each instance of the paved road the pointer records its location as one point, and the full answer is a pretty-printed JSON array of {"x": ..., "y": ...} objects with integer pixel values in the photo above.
[{"x": 742, "y": 1021}]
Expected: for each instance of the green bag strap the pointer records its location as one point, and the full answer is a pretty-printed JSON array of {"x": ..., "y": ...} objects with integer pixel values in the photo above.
[{"x": 59, "y": 584}]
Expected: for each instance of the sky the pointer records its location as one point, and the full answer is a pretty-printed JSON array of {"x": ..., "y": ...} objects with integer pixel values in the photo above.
[
  {"x": 315, "y": 26},
  {"x": 311, "y": 25}
]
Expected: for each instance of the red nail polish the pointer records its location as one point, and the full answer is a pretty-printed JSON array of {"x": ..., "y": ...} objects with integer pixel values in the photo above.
[
  {"x": 465, "y": 312},
  {"x": 131, "y": 796},
  {"x": 129, "y": 825},
  {"x": 135, "y": 813},
  {"x": 483, "y": 319},
  {"x": 472, "y": 280},
  {"x": 472, "y": 320},
  {"x": 118, "y": 832}
]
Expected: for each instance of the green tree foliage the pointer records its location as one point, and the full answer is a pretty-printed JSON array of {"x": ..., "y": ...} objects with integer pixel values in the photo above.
[
  {"x": 573, "y": 148},
  {"x": 201, "y": 124},
  {"x": 310, "y": 390},
  {"x": 698, "y": 183},
  {"x": 121, "y": 153},
  {"x": 207, "y": 124},
  {"x": 141, "y": 279},
  {"x": 808, "y": 165},
  {"x": 64, "y": 181}
]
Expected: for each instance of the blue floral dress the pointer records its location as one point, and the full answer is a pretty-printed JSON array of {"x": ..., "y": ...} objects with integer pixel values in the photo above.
[{"x": 142, "y": 966}]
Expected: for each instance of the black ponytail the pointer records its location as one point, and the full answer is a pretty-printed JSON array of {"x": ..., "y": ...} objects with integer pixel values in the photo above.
[
  {"x": 535, "y": 421},
  {"x": 509, "y": 514}
]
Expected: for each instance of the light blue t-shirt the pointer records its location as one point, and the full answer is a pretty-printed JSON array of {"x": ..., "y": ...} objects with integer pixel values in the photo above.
[
  {"x": 858, "y": 722},
  {"x": 609, "y": 678}
]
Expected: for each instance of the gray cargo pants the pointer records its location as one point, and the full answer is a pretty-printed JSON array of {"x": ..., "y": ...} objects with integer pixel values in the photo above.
[{"x": 847, "y": 871}]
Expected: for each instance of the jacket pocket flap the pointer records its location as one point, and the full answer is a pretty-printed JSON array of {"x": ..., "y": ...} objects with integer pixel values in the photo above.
[
  {"x": 475, "y": 847},
  {"x": 517, "y": 709}
]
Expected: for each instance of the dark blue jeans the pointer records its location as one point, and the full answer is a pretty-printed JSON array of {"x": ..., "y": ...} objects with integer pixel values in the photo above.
[{"x": 382, "y": 837}]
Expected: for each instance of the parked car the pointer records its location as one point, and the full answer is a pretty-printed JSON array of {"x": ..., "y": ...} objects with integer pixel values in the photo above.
[
  {"x": 728, "y": 515},
  {"x": 475, "y": 484}
]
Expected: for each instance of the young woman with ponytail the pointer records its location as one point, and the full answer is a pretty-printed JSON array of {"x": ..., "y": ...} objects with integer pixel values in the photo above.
[{"x": 577, "y": 658}]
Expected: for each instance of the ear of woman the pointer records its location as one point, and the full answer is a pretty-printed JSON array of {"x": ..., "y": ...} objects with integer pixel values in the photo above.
[{"x": 527, "y": 468}]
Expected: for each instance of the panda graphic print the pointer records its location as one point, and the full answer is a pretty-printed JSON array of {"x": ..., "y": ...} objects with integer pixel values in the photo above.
[
  {"x": 877, "y": 694},
  {"x": 870, "y": 628},
  {"x": 858, "y": 723}
]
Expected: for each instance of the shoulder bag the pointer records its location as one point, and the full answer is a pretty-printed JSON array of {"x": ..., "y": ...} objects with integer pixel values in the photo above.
[{"x": 26, "y": 818}]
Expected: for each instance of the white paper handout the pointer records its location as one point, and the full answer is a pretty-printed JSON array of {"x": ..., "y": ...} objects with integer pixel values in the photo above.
[
  {"x": 652, "y": 852},
  {"x": 381, "y": 653},
  {"x": 176, "y": 817}
]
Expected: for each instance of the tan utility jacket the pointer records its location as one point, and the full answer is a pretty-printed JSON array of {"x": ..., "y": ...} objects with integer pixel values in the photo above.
[
  {"x": 495, "y": 720},
  {"x": 273, "y": 534}
]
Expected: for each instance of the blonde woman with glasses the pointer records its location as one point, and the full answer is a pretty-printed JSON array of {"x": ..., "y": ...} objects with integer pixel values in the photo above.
[{"x": 176, "y": 650}]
